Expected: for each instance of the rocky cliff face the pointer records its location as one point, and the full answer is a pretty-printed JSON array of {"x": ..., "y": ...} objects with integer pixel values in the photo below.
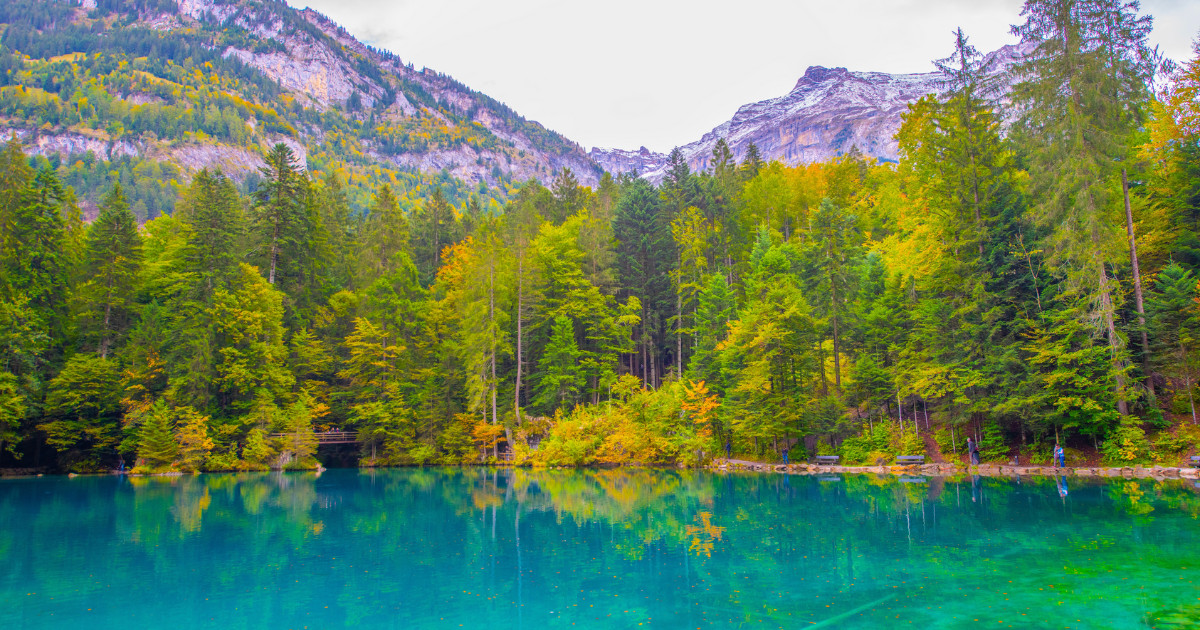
[
  {"x": 829, "y": 111},
  {"x": 320, "y": 66},
  {"x": 367, "y": 106},
  {"x": 325, "y": 65}
]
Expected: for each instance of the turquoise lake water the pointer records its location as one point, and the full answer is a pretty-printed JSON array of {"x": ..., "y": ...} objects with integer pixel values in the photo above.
[{"x": 482, "y": 548}]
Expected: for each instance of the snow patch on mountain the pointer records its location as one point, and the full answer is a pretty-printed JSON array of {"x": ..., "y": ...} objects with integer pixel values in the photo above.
[{"x": 829, "y": 111}]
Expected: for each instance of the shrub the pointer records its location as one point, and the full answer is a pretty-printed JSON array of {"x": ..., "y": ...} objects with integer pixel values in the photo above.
[
  {"x": 1038, "y": 453},
  {"x": 991, "y": 446},
  {"x": 224, "y": 461},
  {"x": 1171, "y": 446},
  {"x": 882, "y": 442},
  {"x": 422, "y": 454},
  {"x": 1127, "y": 444},
  {"x": 910, "y": 443},
  {"x": 943, "y": 439}
]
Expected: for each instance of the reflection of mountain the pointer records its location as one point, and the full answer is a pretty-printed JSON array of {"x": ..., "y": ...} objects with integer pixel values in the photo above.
[{"x": 433, "y": 548}]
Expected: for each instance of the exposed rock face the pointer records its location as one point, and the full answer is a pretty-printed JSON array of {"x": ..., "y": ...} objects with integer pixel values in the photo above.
[
  {"x": 320, "y": 65},
  {"x": 41, "y": 143},
  {"x": 622, "y": 161},
  {"x": 232, "y": 160},
  {"x": 829, "y": 111},
  {"x": 326, "y": 69}
]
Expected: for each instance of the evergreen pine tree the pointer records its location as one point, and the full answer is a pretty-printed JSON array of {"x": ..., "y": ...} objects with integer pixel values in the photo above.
[
  {"x": 386, "y": 236},
  {"x": 157, "y": 446},
  {"x": 278, "y": 207},
  {"x": 1079, "y": 99},
  {"x": 256, "y": 453},
  {"x": 112, "y": 262},
  {"x": 560, "y": 377}
]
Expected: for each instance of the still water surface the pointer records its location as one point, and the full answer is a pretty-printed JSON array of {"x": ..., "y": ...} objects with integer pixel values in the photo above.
[{"x": 434, "y": 548}]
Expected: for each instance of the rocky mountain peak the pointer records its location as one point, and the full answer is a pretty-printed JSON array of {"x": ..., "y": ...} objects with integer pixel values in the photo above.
[
  {"x": 820, "y": 74},
  {"x": 829, "y": 111}
]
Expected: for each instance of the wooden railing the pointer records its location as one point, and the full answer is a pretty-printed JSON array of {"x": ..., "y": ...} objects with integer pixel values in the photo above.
[{"x": 328, "y": 437}]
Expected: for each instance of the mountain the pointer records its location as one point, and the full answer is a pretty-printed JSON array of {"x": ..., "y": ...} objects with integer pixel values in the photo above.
[
  {"x": 146, "y": 92},
  {"x": 829, "y": 111},
  {"x": 186, "y": 84}
]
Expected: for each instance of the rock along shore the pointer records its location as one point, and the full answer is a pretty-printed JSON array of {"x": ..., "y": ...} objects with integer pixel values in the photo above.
[{"x": 987, "y": 470}]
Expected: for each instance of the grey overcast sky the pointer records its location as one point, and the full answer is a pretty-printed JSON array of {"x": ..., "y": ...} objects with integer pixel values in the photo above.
[{"x": 660, "y": 73}]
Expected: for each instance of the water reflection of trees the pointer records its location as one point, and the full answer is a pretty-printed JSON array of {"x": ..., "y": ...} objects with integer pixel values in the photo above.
[{"x": 736, "y": 540}]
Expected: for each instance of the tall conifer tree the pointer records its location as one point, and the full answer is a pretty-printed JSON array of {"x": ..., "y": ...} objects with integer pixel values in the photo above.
[{"x": 112, "y": 261}]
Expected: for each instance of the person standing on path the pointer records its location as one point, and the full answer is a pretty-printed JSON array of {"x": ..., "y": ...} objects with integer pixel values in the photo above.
[
  {"x": 973, "y": 451},
  {"x": 1060, "y": 457},
  {"x": 785, "y": 457}
]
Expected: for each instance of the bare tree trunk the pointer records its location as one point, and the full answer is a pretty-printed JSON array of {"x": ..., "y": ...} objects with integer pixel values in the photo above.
[
  {"x": 492, "y": 332},
  {"x": 654, "y": 372},
  {"x": 105, "y": 341},
  {"x": 520, "y": 336},
  {"x": 1114, "y": 340},
  {"x": 821, "y": 363},
  {"x": 274, "y": 253},
  {"x": 837, "y": 348},
  {"x": 1187, "y": 374},
  {"x": 1032, "y": 273},
  {"x": 1137, "y": 284},
  {"x": 679, "y": 323}
]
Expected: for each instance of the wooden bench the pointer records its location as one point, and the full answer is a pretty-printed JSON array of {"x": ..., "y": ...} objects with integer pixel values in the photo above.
[
  {"x": 1195, "y": 460},
  {"x": 910, "y": 460},
  {"x": 827, "y": 460}
]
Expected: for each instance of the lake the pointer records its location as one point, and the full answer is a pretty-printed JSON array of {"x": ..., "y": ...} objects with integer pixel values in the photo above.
[{"x": 625, "y": 548}]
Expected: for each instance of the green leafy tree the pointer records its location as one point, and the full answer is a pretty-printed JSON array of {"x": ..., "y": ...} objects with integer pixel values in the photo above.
[
  {"x": 561, "y": 378},
  {"x": 39, "y": 267},
  {"x": 386, "y": 237},
  {"x": 249, "y": 341},
  {"x": 1175, "y": 323},
  {"x": 157, "y": 446},
  {"x": 301, "y": 441},
  {"x": 256, "y": 452},
  {"x": 112, "y": 261},
  {"x": 212, "y": 213},
  {"x": 192, "y": 437},
  {"x": 434, "y": 226},
  {"x": 768, "y": 356},
  {"x": 716, "y": 309},
  {"x": 81, "y": 411},
  {"x": 279, "y": 217},
  {"x": 12, "y": 412},
  {"x": 835, "y": 245},
  {"x": 644, "y": 262},
  {"x": 1079, "y": 98}
]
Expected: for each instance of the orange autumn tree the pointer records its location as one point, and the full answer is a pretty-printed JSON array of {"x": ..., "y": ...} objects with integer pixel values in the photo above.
[{"x": 701, "y": 407}]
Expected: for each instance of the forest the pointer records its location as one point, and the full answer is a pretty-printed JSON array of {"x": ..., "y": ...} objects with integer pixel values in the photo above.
[{"x": 1025, "y": 273}]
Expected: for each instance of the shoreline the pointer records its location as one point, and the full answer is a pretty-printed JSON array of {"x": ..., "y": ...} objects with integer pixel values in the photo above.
[
  {"x": 983, "y": 470},
  {"x": 722, "y": 465}
]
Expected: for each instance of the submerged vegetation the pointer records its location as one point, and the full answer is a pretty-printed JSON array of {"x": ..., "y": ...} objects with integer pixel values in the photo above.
[{"x": 1025, "y": 273}]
